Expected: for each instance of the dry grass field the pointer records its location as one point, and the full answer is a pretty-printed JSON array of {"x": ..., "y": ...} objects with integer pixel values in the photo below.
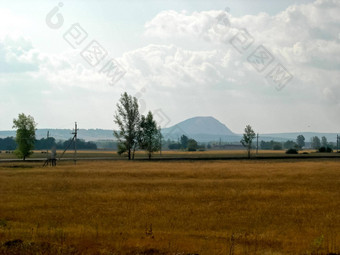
[{"x": 216, "y": 207}]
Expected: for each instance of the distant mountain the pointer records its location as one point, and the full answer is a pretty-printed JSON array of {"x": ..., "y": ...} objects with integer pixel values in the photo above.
[
  {"x": 202, "y": 129},
  {"x": 202, "y": 125}
]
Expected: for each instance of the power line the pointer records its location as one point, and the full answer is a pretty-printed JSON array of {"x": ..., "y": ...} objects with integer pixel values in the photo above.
[{"x": 73, "y": 140}]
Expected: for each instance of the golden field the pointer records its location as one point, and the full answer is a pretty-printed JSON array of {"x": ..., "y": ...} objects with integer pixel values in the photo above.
[{"x": 181, "y": 207}]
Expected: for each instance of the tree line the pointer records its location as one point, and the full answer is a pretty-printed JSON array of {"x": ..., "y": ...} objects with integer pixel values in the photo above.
[
  {"x": 186, "y": 143},
  {"x": 316, "y": 143},
  {"x": 10, "y": 144},
  {"x": 292, "y": 147}
]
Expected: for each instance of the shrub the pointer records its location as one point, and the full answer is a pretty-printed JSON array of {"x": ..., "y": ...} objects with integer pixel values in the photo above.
[
  {"x": 174, "y": 146},
  {"x": 192, "y": 145},
  {"x": 292, "y": 151},
  {"x": 325, "y": 149}
]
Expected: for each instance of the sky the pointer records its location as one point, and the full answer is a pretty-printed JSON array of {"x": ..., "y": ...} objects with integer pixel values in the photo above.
[{"x": 272, "y": 64}]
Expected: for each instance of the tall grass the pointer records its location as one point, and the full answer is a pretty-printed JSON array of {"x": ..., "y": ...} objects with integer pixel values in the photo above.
[{"x": 267, "y": 207}]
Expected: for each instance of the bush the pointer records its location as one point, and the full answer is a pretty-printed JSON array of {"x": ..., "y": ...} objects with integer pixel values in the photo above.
[
  {"x": 174, "y": 146},
  {"x": 325, "y": 149},
  {"x": 192, "y": 145},
  {"x": 292, "y": 151}
]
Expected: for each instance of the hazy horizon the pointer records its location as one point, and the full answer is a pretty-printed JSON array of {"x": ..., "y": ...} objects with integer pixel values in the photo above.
[
  {"x": 181, "y": 59},
  {"x": 174, "y": 126}
]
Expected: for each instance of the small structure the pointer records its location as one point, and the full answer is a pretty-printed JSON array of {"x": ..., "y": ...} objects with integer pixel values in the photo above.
[
  {"x": 54, "y": 156},
  {"x": 52, "y": 159}
]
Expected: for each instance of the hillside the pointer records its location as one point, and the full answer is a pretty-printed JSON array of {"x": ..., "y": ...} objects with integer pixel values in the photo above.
[{"x": 202, "y": 129}]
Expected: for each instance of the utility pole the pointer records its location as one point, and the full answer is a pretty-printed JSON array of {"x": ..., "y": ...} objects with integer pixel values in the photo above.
[
  {"x": 160, "y": 142},
  {"x": 337, "y": 143},
  {"x": 75, "y": 142},
  {"x": 48, "y": 136},
  {"x": 257, "y": 143},
  {"x": 74, "y": 139}
]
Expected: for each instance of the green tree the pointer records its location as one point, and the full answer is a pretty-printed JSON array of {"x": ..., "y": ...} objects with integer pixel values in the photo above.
[
  {"x": 324, "y": 141},
  {"x": 25, "y": 137},
  {"x": 127, "y": 118},
  {"x": 277, "y": 146},
  {"x": 174, "y": 146},
  {"x": 192, "y": 145},
  {"x": 8, "y": 144},
  {"x": 149, "y": 136},
  {"x": 265, "y": 145},
  {"x": 289, "y": 144},
  {"x": 300, "y": 140},
  {"x": 184, "y": 142},
  {"x": 315, "y": 143},
  {"x": 248, "y": 138}
]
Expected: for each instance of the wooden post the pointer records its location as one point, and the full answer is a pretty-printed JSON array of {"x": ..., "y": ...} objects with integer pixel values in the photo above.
[
  {"x": 75, "y": 142},
  {"x": 48, "y": 136},
  {"x": 160, "y": 142},
  {"x": 257, "y": 143}
]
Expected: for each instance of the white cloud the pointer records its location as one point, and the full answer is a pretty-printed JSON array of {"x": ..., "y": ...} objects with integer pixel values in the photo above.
[
  {"x": 303, "y": 37},
  {"x": 174, "y": 67},
  {"x": 17, "y": 55}
]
